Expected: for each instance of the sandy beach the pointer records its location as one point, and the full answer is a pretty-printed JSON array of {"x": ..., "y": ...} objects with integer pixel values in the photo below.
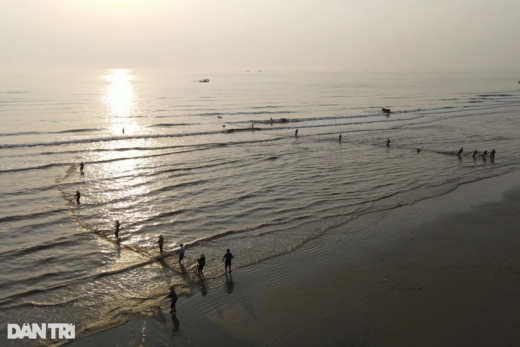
[{"x": 441, "y": 272}]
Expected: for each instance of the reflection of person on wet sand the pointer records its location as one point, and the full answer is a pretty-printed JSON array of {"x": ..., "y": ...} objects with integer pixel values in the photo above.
[
  {"x": 77, "y": 196},
  {"x": 174, "y": 297},
  {"x": 117, "y": 229},
  {"x": 176, "y": 323},
  {"x": 230, "y": 285},
  {"x": 202, "y": 286}
]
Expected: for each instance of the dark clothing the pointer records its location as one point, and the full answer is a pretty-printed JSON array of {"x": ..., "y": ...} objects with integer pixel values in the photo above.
[
  {"x": 78, "y": 196},
  {"x": 174, "y": 297},
  {"x": 161, "y": 242},
  {"x": 202, "y": 262},
  {"x": 228, "y": 257}
]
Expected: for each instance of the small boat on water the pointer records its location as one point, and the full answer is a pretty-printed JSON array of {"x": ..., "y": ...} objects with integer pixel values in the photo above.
[
  {"x": 204, "y": 81},
  {"x": 385, "y": 110}
]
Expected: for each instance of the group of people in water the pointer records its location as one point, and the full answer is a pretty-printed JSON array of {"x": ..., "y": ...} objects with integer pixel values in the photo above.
[
  {"x": 228, "y": 256},
  {"x": 201, "y": 261}
]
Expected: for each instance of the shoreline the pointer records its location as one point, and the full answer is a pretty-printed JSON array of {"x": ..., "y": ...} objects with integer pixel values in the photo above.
[{"x": 450, "y": 265}]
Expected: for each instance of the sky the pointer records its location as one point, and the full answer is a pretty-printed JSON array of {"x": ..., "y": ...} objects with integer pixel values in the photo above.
[{"x": 274, "y": 35}]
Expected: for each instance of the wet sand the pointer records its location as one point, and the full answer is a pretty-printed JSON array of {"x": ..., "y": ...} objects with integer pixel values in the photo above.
[{"x": 441, "y": 272}]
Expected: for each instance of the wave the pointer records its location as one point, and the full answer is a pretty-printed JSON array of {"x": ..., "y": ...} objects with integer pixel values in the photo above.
[
  {"x": 386, "y": 118},
  {"x": 14, "y": 218}
]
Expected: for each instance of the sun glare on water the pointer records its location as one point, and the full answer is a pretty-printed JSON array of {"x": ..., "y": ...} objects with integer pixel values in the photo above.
[{"x": 120, "y": 99}]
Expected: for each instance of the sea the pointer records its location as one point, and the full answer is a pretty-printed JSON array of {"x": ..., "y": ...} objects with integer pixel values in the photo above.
[{"x": 216, "y": 165}]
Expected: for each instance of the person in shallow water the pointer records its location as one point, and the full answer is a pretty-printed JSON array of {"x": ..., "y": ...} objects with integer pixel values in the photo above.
[
  {"x": 77, "y": 196},
  {"x": 227, "y": 258},
  {"x": 117, "y": 229},
  {"x": 484, "y": 154},
  {"x": 174, "y": 297},
  {"x": 296, "y": 132},
  {"x": 202, "y": 262},
  {"x": 160, "y": 242},
  {"x": 475, "y": 153},
  {"x": 339, "y": 138},
  {"x": 182, "y": 250},
  {"x": 388, "y": 143},
  {"x": 492, "y": 155},
  {"x": 460, "y": 151},
  {"x": 81, "y": 166}
]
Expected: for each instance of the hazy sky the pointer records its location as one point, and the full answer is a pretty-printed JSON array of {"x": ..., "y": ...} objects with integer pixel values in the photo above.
[{"x": 261, "y": 34}]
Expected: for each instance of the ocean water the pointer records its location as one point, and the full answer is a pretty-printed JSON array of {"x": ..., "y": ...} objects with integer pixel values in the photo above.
[{"x": 203, "y": 164}]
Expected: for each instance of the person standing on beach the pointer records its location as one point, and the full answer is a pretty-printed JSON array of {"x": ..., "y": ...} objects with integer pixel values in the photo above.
[
  {"x": 202, "y": 262},
  {"x": 81, "y": 166},
  {"x": 117, "y": 229},
  {"x": 174, "y": 297},
  {"x": 492, "y": 155},
  {"x": 182, "y": 250},
  {"x": 227, "y": 257},
  {"x": 77, "y": 196},
  {"x": 296, "y": 133},
  {"x": 388, "y": 143},
  {"x": 339, "y": 138},
  {"x": 271, "y": 121},
  {"x": 160, "y": 242}
]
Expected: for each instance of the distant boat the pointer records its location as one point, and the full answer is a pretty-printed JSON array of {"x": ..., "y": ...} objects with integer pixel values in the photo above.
[
  {"x": 385, "y": 110},
  {"x": 204, "y": 81}
]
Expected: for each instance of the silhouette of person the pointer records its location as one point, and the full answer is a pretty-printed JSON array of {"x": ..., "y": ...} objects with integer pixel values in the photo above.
[
  {"x": 296, "y": 133},
  {"x": 460, "y": 151},
  {"x": 174, "y": 297},
  {"x": 271, "y": 121},
  {"x": 484, "y": 154},
  {"x": 492, "y": 155},
  {"x": 160, "y": 242},
  {"x": 78, "y": 196},
  {"x": 227, "y": 258},
  {"x": 418, "y": 150},
  {"x": 81, "y": 166},
  {"x": 339, "y": 138},
  {"x": 117, "y": 229},
  {"x": 475, "y": 153},
  {"x": 388, "y": 143},
  {"x": 202, "y": 262},
  {"x": 182, "y": 250}
]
